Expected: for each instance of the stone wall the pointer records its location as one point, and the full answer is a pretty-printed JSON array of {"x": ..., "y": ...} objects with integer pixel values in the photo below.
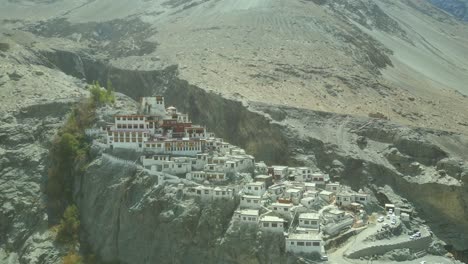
[{"x": 418, "y": 244}]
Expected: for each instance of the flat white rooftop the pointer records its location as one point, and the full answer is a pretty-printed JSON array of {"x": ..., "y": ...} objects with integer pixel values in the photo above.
[
  {"x": 307, "y": 236},
  {"x": 335, "y": 212},
  {"x": 255, "y": 183},
  {"x": 292, "y": 190},
  {"x": 282, "y": 204},
  {"x": 251, "y": 197},
  {"x": 249, "y": 212},
  {"x": 270, "y": 218},
  {"x": 309, "y": 216}
]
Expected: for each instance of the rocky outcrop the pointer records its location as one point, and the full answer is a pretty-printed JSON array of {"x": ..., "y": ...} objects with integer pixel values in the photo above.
[
  {"x": 35, "y": 103},
  {"x": 458, "y": 8},
  {"x": 128, "y": 217},
  {"x": 405, "y": 158}
]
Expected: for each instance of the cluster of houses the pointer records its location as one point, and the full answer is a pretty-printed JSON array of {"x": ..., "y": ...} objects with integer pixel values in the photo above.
[{"x": 302, "y": 205}]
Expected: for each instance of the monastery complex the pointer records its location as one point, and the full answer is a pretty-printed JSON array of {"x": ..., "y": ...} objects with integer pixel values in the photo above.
[{"x": 305, "y": 206}]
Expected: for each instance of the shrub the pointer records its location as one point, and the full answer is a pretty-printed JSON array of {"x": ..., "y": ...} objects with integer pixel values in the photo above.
[
  {"x": 4, "y": 46},
  {"x": 378, "y": 115},
  {"x": 69, "y": 227},
  {"x": 68, "y": 151},
  {"x": 72, "y": 258},
  {"x": 100, "y": 96}
]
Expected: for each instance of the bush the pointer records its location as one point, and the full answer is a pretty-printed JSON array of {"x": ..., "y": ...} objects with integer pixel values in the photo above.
[
  {"x": 69, "y": 227},
  {"x": 378, "y": 115},
  {"x": 4, "y": 46},
  {"x": 72, "y": 258},
  {"x": 100, "y": 96}
]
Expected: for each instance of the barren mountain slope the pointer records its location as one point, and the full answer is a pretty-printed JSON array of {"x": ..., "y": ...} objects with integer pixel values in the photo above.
[{"x": 404, "y": 59}]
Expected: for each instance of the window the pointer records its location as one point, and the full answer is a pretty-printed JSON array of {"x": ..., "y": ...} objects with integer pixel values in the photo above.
[
  {"x": 300, "y": 243},
  {"x": 207, "y": 192},
  {"x": 285, "y": 209},
  {"x": 274, "y": 225},
  {"x": 265, "y": 225},
  {"x": 313, "y": 222},
  {"x": 362, "y": 198},
  {"x": 244, "y": 218},
  {"x": 316, "y": 244},
  {"x": 292, "y": 243},
  {"x": 255, "y": 201},
  {"x": 306, "y": 222},
  {"x": 308, "y": 244},
  {"x": 256, "y": 188}
]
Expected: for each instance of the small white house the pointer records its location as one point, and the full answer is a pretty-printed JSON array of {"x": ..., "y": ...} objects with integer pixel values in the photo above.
[
  {"x": 310, "y": 186},
  {"x": 255, "y": 188},
  {"x": 272, "y": 223},
  {"x": 309, "y": 220},
  {"x": 154, "y": 160},
  {"x": 294, "y": 195},
  {"x": 332, "y": 187},
  {"x": 304, "y": 243},
  {"x": 302, "y": 174},
  {"x": 261, "y": 168},
  {"x": 176, "y": 167},
  {"x": 313, "y": 194},
  {"x": 251, "y": 201},
  {"x": 307, "y": 202},
  {"x": 199, "y": 176},
  {"x": 361, "y": 197},
  {"x": 319, "y": 178},
  {"x": 335, "y": 214},
  {"x": 344, "y": 199},
  {"x": 280, "y": 172},
  {"x": 246, "y": 216},
  {"x": 201, "y": 161},
  {"x": 326, "y": 195},
  {"x": 284, "y": 209}
]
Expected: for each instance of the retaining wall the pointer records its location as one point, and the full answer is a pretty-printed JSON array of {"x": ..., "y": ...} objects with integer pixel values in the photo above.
[{"x": 421, "y": 243}]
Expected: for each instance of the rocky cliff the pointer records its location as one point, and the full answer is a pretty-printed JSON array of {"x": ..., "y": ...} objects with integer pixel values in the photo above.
[
  {"x": 128, "y": 217},
  {"x": 458, "y": 8},
  {"x": 35, "y": 103},
  {"x": 360, "y": 151}
]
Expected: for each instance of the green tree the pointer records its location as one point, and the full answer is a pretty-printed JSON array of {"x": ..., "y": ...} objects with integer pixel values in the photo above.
[{"x": 69, "y": 227}]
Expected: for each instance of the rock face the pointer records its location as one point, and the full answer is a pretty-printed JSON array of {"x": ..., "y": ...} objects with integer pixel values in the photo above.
[
  {"x": 128, "y": 217},
  {"x": 34, "y": 104},
  {"x": 458, "y": 8}
]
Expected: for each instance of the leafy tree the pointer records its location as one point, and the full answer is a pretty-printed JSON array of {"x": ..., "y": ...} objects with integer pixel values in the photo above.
[
  {"x": 99, "y": 96},
  {"x": 69, "y": 227}
]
